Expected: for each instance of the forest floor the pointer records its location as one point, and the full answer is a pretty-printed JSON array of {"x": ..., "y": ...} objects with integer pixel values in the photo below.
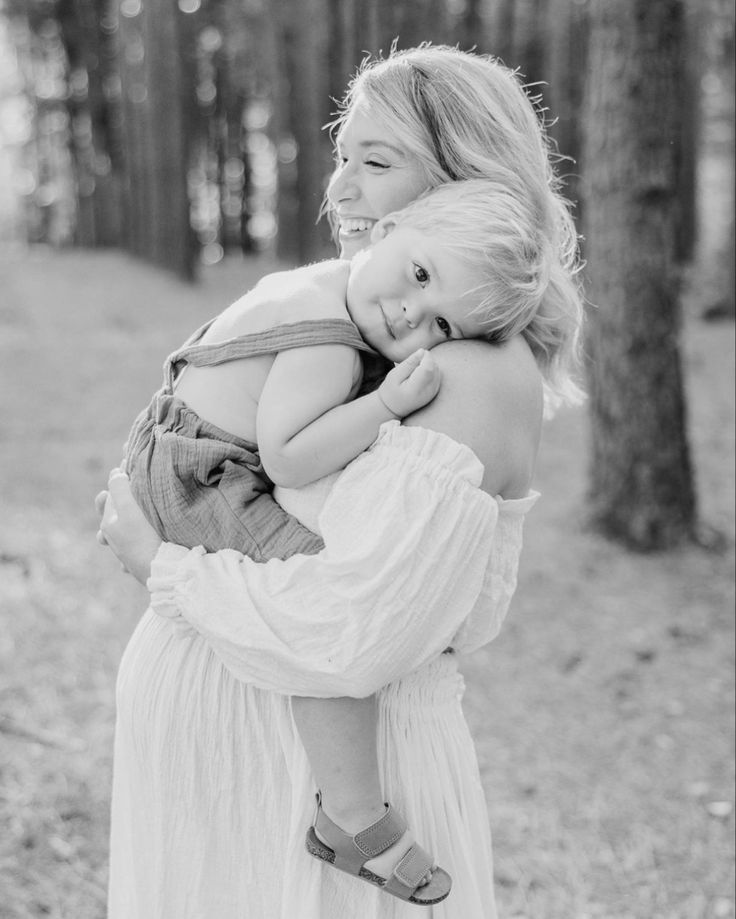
[{"x": 603, "y": 713}]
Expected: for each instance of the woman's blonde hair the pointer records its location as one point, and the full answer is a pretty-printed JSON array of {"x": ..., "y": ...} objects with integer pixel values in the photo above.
[{"x": 467, "y": 116}]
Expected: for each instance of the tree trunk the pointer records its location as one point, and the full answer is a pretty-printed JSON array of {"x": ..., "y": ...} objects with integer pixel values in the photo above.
[
  {"x": 135, "y": 100},
  {"x": 529, "y": 40},
  {"x": 717, "y": 244},
  {"x": 641, "y": 488},
  {"x": 94, "y": 110},
  {"x": 470, "y": 29},
  {"x": 690, "y": 130},
  {"x": 565, "y": 68},
  {"x": 729, "y": 72},
  {"x": 307, "y": 108},
  {"x": 501, "y": 30},
  {"x": 414, "y": 21},
  {"x": 156, "y": 145},
  {"x": 518, "y": 35},
  {"x": 167, "y": 144},
  {"x": 344, "y": 48},
  {"x": 371, "y": 19}
]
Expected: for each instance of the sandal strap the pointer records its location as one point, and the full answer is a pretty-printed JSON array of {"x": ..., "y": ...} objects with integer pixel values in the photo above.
[
  {"x": 351, "y": 852},
  {"x": 409, "y": 872},
  {"x": 382, "y": 834}
]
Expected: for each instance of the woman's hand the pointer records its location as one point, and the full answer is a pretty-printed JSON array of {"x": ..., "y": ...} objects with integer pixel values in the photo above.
[{"x": 124, "y": 528}]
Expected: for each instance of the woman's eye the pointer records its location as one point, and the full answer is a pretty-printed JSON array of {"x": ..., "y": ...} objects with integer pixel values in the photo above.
[
  {"x": 444, "y": 326},
  {"x": 421, "y": 275},
  {"x": 376, "y": 164}
]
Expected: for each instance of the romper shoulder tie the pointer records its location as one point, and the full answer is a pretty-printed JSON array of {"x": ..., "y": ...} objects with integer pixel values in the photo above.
[{"x": 284, "y": 337}]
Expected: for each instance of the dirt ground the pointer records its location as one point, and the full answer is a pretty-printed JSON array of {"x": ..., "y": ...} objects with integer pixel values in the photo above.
[{"x": 603, "y": 713}]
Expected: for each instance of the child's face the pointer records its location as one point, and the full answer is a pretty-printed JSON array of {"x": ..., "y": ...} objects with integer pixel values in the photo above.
[{"x": 406, "y": 292}]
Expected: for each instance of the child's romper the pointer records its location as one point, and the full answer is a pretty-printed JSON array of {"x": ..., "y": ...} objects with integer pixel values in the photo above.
[{"x": 201, "y": 486}]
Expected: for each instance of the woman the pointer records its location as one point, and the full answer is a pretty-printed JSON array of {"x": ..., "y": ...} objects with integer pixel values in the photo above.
[{"x": 212, "y": 789}]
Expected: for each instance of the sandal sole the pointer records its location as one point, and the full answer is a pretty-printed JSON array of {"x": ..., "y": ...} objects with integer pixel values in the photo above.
[{"x": 318, "y": 849}]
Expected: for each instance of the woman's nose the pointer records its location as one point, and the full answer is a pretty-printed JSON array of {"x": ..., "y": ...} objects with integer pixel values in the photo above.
[{"x": 342, "y": 186}]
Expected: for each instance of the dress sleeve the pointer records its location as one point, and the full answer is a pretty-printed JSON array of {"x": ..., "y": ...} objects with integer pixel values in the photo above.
[{"x": 408, "y": 536}]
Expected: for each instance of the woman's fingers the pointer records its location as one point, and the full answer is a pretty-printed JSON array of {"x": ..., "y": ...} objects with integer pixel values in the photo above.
[
  {"x": 121, "y": 496},
  {"x": 104, "y": 506},
  {"x": 100, "y": 499},
  {"x": 115, "y": 473},
  {"x": 127, "y": 530}
]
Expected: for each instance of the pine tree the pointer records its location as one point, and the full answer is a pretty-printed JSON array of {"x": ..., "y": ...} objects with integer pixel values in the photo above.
[{"x": 641, "y": 487}]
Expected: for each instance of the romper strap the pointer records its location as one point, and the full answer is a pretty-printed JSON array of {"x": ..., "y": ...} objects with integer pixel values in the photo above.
[
  {"x": 270, "y": 341},
  {"x": 284, "y": 337}
]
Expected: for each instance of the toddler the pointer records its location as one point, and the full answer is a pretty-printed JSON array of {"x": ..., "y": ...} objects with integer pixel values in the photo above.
[{"x": 274, "y": 391}]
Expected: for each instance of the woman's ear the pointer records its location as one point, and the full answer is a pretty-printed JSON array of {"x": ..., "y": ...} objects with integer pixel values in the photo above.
[{"x": 384, "y": 226}]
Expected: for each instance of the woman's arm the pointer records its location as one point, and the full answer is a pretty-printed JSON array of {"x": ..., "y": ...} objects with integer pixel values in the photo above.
[{"x": 408, "y": 537}]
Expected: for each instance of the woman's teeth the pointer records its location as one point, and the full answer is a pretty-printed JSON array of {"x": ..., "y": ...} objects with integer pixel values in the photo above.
[{"x": 356, "y": 225}]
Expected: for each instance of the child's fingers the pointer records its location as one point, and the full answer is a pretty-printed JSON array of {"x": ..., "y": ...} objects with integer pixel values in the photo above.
[
  {"x": 411, "y": 384},
  {"x": 416, "y": 358},
  {"x": 428, "y": 363},
  {"x": 405, "y": 369},
  {"x": 426, "y": 370}
]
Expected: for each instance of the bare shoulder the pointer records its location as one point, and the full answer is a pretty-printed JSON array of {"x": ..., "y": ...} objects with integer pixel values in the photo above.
[
  {"x": 491, "y": 399},
  {"x": 315, "y": 291},
  {"x": 282, "y": 297}
]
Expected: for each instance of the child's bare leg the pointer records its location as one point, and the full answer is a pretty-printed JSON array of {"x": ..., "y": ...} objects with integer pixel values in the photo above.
[{"x": 339, "y": 737}]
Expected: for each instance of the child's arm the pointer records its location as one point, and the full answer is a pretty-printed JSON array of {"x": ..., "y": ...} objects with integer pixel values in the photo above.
[{"x": 306, "y": 428}]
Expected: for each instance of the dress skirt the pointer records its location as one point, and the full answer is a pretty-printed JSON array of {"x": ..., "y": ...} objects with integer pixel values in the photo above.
[{"x": 212, "y": 793}]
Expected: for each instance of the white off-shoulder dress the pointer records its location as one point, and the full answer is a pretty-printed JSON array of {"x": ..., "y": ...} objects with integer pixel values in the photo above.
[{"x": 212, "y": 792}]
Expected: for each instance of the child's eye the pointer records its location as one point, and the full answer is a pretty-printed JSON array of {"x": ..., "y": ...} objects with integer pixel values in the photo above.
[
  {"x": 421, "y": 275},
  {"x": 444, "y": 326}
]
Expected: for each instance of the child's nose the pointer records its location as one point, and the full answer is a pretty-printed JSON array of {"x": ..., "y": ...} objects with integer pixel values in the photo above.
[{"x": 412, "y": 313}]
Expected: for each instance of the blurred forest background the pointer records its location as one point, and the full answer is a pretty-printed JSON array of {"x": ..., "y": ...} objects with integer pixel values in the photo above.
[
  {"x": 156, "y": 158},
  {"x": 184, "y": 130}
]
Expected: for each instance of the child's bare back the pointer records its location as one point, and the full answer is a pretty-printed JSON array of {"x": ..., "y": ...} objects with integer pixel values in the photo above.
[{"x": 228, "y": 394}]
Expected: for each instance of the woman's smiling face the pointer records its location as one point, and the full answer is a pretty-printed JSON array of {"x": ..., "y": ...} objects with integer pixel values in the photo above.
[{"x": 373, "y": 176}]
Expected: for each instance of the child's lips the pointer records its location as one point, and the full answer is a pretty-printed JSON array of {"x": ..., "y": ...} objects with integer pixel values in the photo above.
[{"x": 387, "y": 323}]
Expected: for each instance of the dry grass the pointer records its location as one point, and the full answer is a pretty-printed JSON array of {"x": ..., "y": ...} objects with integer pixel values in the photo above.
[{"x": 603, "y": 712}]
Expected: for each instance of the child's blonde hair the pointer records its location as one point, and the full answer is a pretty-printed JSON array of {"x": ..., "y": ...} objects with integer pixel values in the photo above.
[
  {"x": 507, "y": 239},
  {"x": 466, "y": 116}
]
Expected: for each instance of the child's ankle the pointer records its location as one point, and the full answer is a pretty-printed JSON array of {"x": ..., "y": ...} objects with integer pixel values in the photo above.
[{"x": 352, "y": 817}]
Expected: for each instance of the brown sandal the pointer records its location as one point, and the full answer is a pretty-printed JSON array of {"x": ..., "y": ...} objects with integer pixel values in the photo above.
[{"x": 350, "y": 853}]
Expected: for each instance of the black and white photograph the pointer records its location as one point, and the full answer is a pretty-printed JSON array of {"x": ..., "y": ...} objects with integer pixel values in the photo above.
[{"x": 367, "y": 473}]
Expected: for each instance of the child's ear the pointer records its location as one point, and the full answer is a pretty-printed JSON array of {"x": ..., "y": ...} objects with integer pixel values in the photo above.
[{"x": 383, "y": 228}]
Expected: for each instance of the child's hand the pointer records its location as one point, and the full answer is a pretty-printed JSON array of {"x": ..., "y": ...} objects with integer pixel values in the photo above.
[{"x": 411, "y": 384}]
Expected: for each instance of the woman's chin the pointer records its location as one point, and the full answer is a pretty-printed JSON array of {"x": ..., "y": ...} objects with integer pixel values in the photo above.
[{"x": 353, "y": 243}]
